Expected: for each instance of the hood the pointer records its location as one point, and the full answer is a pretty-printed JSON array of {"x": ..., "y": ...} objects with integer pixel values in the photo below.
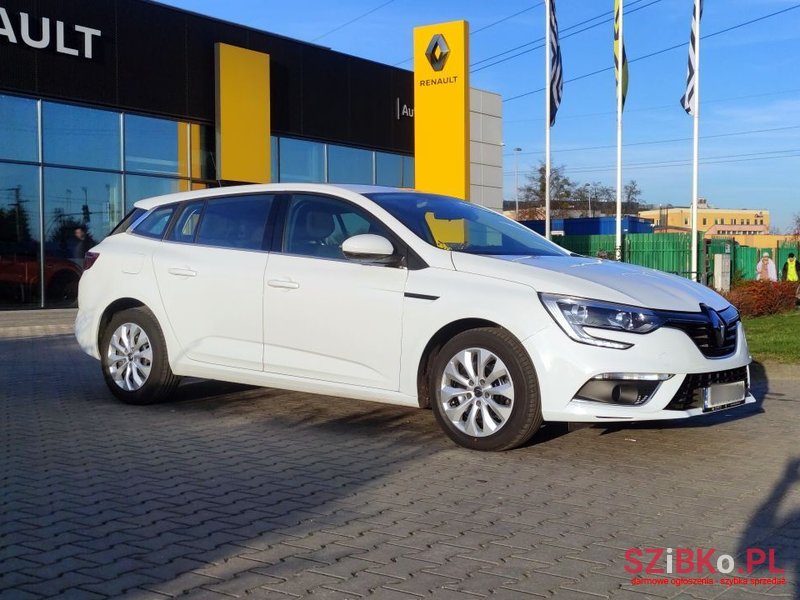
[{"x": 594, "y": 278}]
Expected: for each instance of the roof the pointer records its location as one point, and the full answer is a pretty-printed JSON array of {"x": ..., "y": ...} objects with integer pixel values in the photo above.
[{"x": 148, "y": 203}]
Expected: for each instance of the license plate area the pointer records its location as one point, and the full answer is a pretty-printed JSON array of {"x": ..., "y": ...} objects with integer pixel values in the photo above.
[{"x": 723, "y": 395}]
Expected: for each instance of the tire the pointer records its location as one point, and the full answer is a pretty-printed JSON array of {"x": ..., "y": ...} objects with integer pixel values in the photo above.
[
  {"x": 499, "y": 407},
  {"x": 133, "y": 358}
]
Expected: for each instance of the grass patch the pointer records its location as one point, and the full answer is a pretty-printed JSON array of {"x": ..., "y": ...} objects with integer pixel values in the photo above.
[{"x": 774, "y": 338}]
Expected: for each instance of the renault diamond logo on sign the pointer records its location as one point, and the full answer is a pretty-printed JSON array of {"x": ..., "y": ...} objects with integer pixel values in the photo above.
[{"x": 437, "y": 52}]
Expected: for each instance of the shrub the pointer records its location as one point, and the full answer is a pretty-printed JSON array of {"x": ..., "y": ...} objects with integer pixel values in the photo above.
[{"x": 756, "y": 298}]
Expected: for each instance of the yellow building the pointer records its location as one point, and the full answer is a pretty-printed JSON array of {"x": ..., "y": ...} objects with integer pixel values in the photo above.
[{"x": 711, "y": 221}]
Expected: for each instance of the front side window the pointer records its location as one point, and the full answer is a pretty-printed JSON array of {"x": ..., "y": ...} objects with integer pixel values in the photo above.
[
  {"x": 452, "y": 224},
  {"x": 317, "y": 226},
  {"x": 154, "y": 224},
  {"x": 235, "y": 222}
]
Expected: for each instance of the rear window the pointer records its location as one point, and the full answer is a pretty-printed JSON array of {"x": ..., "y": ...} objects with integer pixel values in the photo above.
[
  {"x": 127, "y": 221},
  {"x": 155, "y": 224}
]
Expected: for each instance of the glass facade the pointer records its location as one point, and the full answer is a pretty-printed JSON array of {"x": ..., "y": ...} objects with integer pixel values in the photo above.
[
  {"x": 69, "y": 173},
  {"x": 295, "y": 160},
  {"x": 80, "y": 137},
  {"x": 18, "y": 127},
  {"x": 388, "y": 169},
  {"x": 350, "y": 165},
  {"x": 156, "y": 146},
  {"x": 301, "y": 161},
  {"x": 20, "y": 249}
]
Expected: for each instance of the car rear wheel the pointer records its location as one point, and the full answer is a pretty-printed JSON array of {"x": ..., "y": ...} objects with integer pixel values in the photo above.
[
  {"x": 134, "y": 358},
  {"x": 486, "y": 395}
]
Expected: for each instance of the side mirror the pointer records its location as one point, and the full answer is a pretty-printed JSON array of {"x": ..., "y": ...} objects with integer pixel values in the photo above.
[{"x": 368, "y": 247}]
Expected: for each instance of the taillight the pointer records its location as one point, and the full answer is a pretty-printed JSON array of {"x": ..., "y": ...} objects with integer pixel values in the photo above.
[{"x": 89, "y": 259}]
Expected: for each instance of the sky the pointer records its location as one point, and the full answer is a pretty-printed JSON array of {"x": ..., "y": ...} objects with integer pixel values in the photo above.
[{"x": 749, "y": 85}]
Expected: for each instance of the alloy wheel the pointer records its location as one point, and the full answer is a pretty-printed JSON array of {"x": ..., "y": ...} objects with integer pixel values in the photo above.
[
  {"x": 129, "y": 357},
  {"x": 476, "y": 392}
]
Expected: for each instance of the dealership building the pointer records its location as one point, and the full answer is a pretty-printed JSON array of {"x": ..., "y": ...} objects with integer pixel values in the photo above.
[{"x": 105, "y": 102}]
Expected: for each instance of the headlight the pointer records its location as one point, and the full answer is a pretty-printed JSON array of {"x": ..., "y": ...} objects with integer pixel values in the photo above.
[{"x": 574, "y": 315}]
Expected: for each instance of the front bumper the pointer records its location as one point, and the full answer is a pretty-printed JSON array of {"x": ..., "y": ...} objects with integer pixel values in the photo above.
[{"x": 563, "y": 367}]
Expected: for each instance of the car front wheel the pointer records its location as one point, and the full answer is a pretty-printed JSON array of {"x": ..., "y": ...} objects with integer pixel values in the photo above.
[
  {"x": 134, "y": 358},
  {"x": 486, "y": 395}
]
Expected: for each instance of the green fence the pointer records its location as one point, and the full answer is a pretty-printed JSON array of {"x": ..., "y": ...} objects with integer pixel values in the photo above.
[
  {"x": 588, "y": 245},
  {"x": 745, "y": 261},
  {"x": 671, "y": 252}
]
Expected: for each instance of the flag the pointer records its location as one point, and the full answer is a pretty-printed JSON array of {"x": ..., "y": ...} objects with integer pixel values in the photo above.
[
  {"x": 688, "y": 100},
  {"x": 556, "y": 76},
  {"x": 617, "y": 44}
]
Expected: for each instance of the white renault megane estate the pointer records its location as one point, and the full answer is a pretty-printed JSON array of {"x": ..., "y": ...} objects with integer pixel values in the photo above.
[{"x": 401, "y": 297}]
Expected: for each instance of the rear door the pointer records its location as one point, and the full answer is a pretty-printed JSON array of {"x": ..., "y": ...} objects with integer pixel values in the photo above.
[{"x": 210, "y": 272}]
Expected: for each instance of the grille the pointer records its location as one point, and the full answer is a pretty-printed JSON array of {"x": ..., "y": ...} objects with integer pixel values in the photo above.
[
  {"x": 689, "y": 396},
  {"x": 699, "y": 328}
]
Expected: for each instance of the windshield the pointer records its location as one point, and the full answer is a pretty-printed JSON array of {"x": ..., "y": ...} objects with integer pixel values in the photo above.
[{"x": 452, "y": 224}]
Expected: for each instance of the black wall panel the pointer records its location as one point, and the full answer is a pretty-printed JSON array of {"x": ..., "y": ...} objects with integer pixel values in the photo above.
[
  {"x": 76, "y": 77},
  {"x": 159, "y": 60}
]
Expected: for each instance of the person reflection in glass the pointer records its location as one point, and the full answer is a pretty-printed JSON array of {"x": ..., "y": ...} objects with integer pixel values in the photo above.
[{"x": 80, "y": 244}]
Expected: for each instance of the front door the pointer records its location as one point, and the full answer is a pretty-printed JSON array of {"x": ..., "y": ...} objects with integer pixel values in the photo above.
[{"x": 326, "y": 317}]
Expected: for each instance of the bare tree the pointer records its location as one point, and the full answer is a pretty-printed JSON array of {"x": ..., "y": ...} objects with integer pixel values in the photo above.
[
  {"x": 561, "y": 191},
  {"x": 794, "y": 228}
]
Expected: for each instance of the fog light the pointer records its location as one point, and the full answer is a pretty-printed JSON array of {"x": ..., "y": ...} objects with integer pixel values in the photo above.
[
  {"x": 628, "y": 389},
  {"x": 635, "y": 376}
]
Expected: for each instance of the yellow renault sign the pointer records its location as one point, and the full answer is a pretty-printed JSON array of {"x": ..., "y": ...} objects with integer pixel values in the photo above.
[
  {"x": 243, "y": 115},
  {"x": 441, "y": 108}
]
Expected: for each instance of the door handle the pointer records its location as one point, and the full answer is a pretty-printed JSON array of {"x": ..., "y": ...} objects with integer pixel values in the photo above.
[
  {"x": 181, "y": 272},
  {"x": 283, "y": 283}
]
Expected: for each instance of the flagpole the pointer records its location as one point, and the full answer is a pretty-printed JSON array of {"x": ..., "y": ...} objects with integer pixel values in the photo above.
[
  {"x": 696, "y": 142},
  {"x": 620, "y": 72},
  {"x": 547, "y": 109}
]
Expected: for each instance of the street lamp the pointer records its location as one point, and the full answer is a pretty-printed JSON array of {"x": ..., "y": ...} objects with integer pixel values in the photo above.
[{"x": 516, "y": 182}]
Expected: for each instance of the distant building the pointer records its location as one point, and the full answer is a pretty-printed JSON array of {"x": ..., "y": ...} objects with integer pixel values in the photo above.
[
  {"x": 591, "y": 226},
  {"x": 711, "y": 221}
]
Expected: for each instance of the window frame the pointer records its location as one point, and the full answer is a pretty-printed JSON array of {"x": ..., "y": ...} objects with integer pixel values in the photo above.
[
  {"x": 269, "y": 226},
  {"x": 184, "y": 206},
  {"x": 406, "y": 257},
  {"x": 135, "y": 225}
]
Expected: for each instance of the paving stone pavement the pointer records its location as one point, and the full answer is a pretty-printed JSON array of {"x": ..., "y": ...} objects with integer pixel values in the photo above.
[{"x": 235, "y": 492}]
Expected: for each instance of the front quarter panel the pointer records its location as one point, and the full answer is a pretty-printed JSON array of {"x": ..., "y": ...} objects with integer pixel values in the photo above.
[{"x": 513, "y": 306}]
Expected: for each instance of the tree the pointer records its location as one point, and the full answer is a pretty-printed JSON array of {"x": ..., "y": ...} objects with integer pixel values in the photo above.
[
  {"x": 631, "y": 192},
  {"x": 532, "y": 200},
  {"x": 568, "y": 197},
  {"x": 630, "y": 197},
  {"x": 794, "y": 228}
]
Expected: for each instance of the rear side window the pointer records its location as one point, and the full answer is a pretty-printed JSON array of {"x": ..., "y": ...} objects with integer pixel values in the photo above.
[
  {"x": 236, "y": 222},
  {"x": 186, "y": 225},
  {"x": 156, "y": 222},
  {"x": 123, "y": 225}
]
